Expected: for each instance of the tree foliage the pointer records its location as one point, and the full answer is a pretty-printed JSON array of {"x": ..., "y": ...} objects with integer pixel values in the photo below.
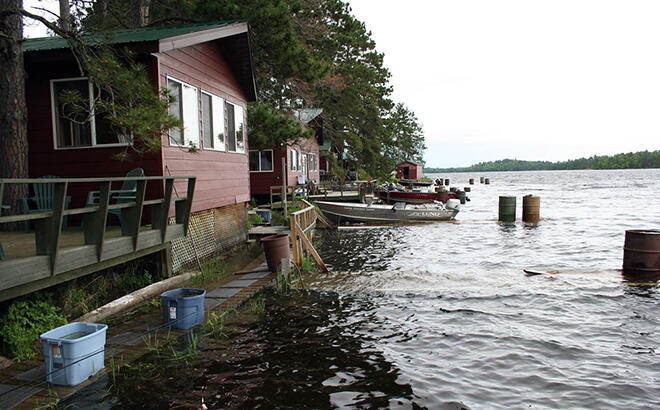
[
  {"x": 640, "y": 159},
  {"x": 125, "y": 100},
  {"x": 307, "y": 54}
]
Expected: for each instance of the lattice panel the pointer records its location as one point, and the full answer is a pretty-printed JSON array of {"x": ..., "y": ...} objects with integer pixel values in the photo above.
[{"x": 209, "y": 232}]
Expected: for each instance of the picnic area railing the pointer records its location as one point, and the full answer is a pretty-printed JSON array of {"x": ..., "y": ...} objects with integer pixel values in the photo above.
[{"x": 52, "y": 264}]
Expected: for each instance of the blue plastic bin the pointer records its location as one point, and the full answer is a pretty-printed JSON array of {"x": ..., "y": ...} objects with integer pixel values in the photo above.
[
  {"x": 74, "y": 352},
  {"x": 264, "y": 214},
  {"x": 183, "y": 308}
]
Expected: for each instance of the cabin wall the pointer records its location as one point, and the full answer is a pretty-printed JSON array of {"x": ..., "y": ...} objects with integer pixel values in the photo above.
[
  {"x": 97, "y": 161},
  {"x": 222, "y": 177},
  {"x": 306, "y": 146},
  {"x": 219, "y": 219},
  {"x": 260, "y": 182}
]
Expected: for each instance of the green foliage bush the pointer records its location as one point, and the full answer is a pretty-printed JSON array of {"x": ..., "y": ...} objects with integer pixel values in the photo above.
[{"x": 25, "y": 320}]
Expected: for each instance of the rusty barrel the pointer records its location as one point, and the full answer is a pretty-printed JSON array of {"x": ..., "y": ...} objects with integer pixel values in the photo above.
[
  {"x": 641, "y": 252},
  {"x": 531, "y": 211},
  {"x": 487, "y": 181},
  {"x": 446, "y": 181},
  {"x": 481, "y": 180},
  {"x": 443, "y": 196},
  {"x": 452, "y": 189},
  {"x": 471, "y": 181},
  {"x": 467, "y": 189},
  {"x": 507, "y": 209}
]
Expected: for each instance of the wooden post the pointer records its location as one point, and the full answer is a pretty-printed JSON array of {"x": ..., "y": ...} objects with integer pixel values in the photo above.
[
  {"x": 182, "y": 209},
  {"x": 286, "y": 266},
  {"x": 94, "y": 224},
  {"x": 284, "y": 185}
]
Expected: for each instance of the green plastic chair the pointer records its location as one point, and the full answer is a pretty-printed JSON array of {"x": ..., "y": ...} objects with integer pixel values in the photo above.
[
  {"x": 127, "y": 193},
  {"x": 43, "y": 201}
]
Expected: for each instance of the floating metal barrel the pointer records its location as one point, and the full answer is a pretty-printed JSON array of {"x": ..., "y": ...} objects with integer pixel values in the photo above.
[
  {"x": 507, "y": 209},
  {"x": 460, "y": 195},
  {"x": 531, "y": 208},
  {"x": 487, "y": 181},
  {"x": 443, "y": 196},
  {"x": 452, "y": 189},
  {"x": 641, "y": 253},
  {"x": 447, "y": 181},
  {"x": 471, "y": 181},
  {"x": 481, "y": 180},
  {"x": 467, "y": 189}
]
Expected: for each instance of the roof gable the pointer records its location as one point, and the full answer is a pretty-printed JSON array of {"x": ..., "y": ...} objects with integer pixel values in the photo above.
[
  {"x": 231, "y": 36},
  {"x": 168, "y": 37}
]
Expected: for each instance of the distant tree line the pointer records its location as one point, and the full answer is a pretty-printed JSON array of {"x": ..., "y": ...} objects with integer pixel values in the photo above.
[{"x": 641, "y": 159}]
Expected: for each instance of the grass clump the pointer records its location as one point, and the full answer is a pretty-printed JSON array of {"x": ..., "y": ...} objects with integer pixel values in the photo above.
[{"x": 24, "y": 321}]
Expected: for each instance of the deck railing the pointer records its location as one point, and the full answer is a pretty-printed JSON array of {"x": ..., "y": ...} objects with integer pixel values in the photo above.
[
  {"x": 53, "y": 264},
  {"x": 291, "y": 191},
  {"x": 302, "y": 224}
]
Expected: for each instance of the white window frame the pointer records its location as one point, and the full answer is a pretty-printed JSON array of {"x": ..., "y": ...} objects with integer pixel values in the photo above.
[
  {"x": 217, "y": 115},
  {"x": 240, "y": 150},
  {"x": 272, "y": 159},
  {"x": 189, "y": 127},
  {"x": 92, "y": 120},
  {"x": 313, "y": 162},
  {"x": 294, "y": 160}
]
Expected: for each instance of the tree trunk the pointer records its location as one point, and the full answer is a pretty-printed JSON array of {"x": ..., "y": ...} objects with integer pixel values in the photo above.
[
  {"x": 65, "y": 15},
  {"x": 141, "y": 16},
  {"x": 13, "y": 110}
]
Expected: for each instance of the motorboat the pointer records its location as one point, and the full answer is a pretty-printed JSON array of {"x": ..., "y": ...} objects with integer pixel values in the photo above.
[
  {"x": 412, "y": 193},
  {"x": 339, "y": 212}
]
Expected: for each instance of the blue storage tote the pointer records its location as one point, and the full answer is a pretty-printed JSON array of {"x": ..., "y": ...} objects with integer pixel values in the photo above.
[
  {"x": 74, "y": 352},
  {"x": 183, "y": 308},
  {"x": 264, "y": 214}
]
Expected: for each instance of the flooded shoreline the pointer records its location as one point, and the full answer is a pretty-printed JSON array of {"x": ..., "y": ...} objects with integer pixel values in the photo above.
[{"x": 443, "y": 316}]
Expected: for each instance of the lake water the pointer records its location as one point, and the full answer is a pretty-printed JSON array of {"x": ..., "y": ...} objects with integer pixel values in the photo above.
[{"x": 442, "y": 316}]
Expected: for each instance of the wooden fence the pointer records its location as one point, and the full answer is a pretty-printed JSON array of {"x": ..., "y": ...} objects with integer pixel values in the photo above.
[
  {"x": 302, "y": 224},
  {"x": 52, "y": 264}
]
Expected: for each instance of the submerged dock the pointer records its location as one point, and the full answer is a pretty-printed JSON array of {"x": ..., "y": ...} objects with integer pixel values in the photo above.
[{"x": 23, "y": 385}]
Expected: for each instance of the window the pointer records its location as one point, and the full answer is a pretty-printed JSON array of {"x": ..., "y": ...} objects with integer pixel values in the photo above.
[
  {"x": 294, "y": 160},
  {"x": 186, "y": 108},
  {"x": 213, "y": 122},
  {"x": 299, "y": 155},
  {"x": 72, "y": 128},
  {"x": 235, "y": 128},
  {"x": 261, "y": 161},
  {"x": 303, "y": 165},
  {"x": 313, "y": 163}
]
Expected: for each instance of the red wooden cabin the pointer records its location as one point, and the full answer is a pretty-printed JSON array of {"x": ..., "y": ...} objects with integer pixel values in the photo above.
[
  {"x": 409, "y": 170},
  {"x": 207, "y": 66},
  {"x": 302, "y": 159}
]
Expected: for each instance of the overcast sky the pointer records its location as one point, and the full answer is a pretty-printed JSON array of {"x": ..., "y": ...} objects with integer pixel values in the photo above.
[
  {"x": 534, "y": 80},
  {"x": 527, "y": 79}
]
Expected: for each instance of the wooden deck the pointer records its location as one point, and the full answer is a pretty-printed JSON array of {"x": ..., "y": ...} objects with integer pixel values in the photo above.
[{"x": 50, "y": 255}]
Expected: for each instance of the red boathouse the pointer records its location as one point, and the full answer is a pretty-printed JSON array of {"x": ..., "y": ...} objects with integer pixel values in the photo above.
[{"x": 409, "y": 170}]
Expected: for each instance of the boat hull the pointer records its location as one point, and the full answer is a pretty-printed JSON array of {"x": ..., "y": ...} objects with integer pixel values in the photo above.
[{"x": 350, "y": 212}]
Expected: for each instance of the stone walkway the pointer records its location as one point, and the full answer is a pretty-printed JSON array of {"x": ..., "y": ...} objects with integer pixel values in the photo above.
[{"x": 23, "y": 385}]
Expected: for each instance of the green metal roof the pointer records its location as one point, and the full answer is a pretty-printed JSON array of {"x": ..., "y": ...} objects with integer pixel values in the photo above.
[
  {"x": 125, "y": 36},
  {"x": 305, "y": 115},
  {"x": 325, "y": 146}
]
